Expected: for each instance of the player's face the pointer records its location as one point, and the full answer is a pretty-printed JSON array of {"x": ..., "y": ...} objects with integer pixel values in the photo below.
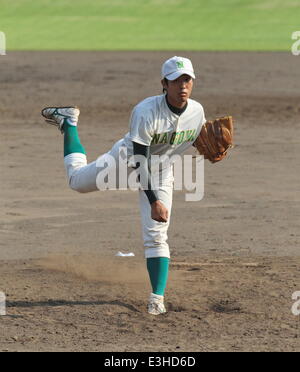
[{"x": 179, "y": 90}]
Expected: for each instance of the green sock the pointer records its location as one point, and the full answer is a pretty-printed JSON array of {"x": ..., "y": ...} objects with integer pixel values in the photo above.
[
  {"x": 71, "y": 139},
  {"x": 158, "y": 268}
]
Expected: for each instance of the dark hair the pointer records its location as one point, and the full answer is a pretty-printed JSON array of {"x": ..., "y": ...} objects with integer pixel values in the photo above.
[{"x": 166, "y": 81}]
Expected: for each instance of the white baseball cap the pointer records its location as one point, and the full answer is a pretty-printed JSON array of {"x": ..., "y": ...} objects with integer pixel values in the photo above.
[{"x": 177, "y": 66}]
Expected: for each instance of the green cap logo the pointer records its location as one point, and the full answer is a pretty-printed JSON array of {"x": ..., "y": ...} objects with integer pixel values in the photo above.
[{"x": 179, "y": 64}]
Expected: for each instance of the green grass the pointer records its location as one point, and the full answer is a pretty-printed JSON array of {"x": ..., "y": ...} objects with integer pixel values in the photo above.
[{"x": 149, "y": 24}]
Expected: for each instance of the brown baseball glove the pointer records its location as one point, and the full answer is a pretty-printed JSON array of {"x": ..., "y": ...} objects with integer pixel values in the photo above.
[{"x": 215, "y": 138}]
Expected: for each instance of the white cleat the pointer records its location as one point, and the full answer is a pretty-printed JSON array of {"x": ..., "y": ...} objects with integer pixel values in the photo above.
[
  {"x": 156, "y": 305},
  {"x": 57, "y": 115}
]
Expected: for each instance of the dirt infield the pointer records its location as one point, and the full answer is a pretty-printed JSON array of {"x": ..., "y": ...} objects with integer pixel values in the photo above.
[{"x": 235, "y": 255}]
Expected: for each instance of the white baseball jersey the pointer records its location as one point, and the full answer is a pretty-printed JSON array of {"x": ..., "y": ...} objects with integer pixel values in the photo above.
[{"x": 153, "y": 124}]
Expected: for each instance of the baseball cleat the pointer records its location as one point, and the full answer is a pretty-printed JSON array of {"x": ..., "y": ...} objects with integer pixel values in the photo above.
[
  {"x": 156, "y": 305},
  {"x": 57, "y": 115}
]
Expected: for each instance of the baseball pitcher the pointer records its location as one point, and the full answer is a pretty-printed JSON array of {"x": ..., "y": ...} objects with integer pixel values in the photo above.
[{"x": 167, "y": 124}]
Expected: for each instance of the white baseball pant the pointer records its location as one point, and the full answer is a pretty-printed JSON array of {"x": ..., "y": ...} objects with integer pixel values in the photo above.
[{"x": 82, "y": 177}]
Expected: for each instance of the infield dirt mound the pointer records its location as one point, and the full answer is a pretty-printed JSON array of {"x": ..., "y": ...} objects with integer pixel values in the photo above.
[
  {"x": 229, "y": 304},
  {"x": 235, "y": 255}
]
